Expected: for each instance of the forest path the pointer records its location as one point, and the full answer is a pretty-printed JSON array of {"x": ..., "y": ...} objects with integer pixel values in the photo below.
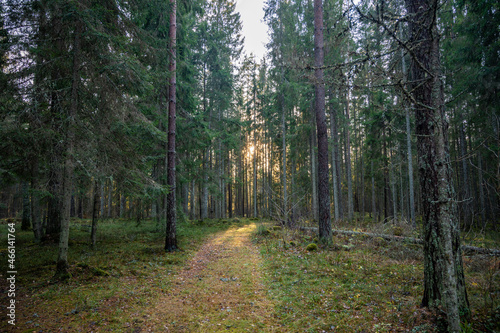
[{"x": 220, "y": 289}]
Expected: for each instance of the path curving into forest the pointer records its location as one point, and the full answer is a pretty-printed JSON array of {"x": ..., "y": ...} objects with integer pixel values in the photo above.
[{"x": 220, "y": 289}]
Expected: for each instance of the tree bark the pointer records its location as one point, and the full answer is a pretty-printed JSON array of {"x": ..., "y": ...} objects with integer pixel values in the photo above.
[
  {"x": 62, "y": 260},
  {"x": 110, "y": 199},
  {"x": 374, "y": 205},
  {"x": 444, "y": 284},
  {"x": 171, "y": 236},
  {"x": 95, "y": 215},
  {"x": 325, "y": 226},
  {"x": 333, "y": 129},
  {"x": 347, "y": 140},
  {"x": 408, "y": 149},
  {"x": 26, "y": 221},
  {"x": 314, "y": 175},
  {"x": 481, "y": 189}
]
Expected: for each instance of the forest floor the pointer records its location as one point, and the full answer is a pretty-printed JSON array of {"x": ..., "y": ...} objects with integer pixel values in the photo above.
[
  {"x": 220, "y": 289},
  {"x": 236, "y": 275}
]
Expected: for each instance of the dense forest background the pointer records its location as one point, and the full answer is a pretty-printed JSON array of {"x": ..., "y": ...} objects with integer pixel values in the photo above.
[
  {"x": 246, "y": 127},
  {"x": 85, "y": 99}
]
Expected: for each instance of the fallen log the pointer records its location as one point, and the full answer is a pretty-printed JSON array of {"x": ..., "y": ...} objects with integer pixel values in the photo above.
[{"x": 467, "y": 249}]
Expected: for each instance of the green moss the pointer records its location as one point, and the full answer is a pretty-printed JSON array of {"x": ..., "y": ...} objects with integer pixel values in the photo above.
[
  {"x": 312, "y": 247},
  {"x": 99, "y": 272}
]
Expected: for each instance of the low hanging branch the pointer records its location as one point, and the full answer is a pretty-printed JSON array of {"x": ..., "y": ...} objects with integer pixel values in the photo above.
[{"x": 465, "y": 248}]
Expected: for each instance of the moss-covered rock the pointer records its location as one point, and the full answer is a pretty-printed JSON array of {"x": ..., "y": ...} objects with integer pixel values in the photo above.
[{"x": 312, "y": 247}]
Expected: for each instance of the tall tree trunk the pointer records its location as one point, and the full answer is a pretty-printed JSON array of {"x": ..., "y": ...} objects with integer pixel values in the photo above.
[
  {"x": 230, "y": 199},
  {"x": 347, "y": 141},
  {"x": 444, "y": 284},
  {"x": 335, "y": 163},
  {"x": 36, "y": 211},
  {"x": 123, "y": 203},
  {"x": 204, "y": 194},
  {"x": 466, "y": 186},
  {"x": 62, "y": 260},
  {"x": 110, "y": 199},
  {"x": 26, "y": 221},
  {"x": 53, "y": 226},
  {"x": 481, "y": 188},
  {"x": 410, "y": 170},
  {"x": 254, "y": 173},
  {"x": 325, "y": 227},
  {"x": 314, "y": 175},
  {"x": 363, "y": 199},
  {"x": 283, "y": 143},
  {"x": 171, "y": 235},
  {"x": 392, "y": 177},
  {"x": 374, "y": 206},
  {"x": 95, "y": 215},
  {"x": 293, "y": 212},
  {"x": 79, "y": 210},
  {"x": 192, "y": 208},
  {"x": 102, "y": 198},
  {"x": 409, "y": 151},
  {"x": 386, "y": 177}
]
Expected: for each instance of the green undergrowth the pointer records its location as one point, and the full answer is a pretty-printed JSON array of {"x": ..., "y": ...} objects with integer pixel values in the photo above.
[
  {"x": 111, "y": 285},
  {"x": 362, "y": 284}
]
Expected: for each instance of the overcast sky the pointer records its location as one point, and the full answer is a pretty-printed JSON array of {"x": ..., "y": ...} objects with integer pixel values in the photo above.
[{"x": 254, "y": 29}]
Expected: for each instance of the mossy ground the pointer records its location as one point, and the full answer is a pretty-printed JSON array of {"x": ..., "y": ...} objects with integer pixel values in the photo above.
[
  {"x": 221, "y": 281},
  {"x": 112, "y": 287},
  {"x": 361, "y": 284}
]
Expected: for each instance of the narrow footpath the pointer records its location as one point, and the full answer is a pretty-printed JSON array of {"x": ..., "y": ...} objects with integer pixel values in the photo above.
[{"x": 219, "y": 290}]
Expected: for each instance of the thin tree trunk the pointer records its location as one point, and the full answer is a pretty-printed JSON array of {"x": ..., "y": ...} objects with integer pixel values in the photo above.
[
  {"x": 410, "y": 170},
  {"x": 393, "y": 189},
  {"x": 409, "y": 151},
  {"x": 325, "y": 227},
  {"x": 192, "y": 208},
  {"x": 171, "y": 234},
  {"x": 293, "y": 212},
  {"x": 481, "y": 189},
  {"x": 62, "y": 260},
  {"x": 123, "y": 202},
  {"x": 363, "y": 199},
  {"x": 333, "y": 128},
  {"x": 95, "y": 215},
  {"x": 347, "y": 138},
  {"x": 466, "y": 190},
  {"x": 374, "y": 206},
  {"x": 102, "y": 200},
  {"x": 254, "y": 173},
  {"x": 314, "y": 175},
  {"x": 204, "y": 194},
  {"x": 26, "y": 222},
  {"x": 283, "y": 142},
  {"x": 36, "y": 211},
  {"x": 110, "y": 199}
]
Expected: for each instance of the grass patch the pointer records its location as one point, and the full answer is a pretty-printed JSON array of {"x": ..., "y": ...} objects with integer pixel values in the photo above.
[
  {"x": 360, "y": 284},
  {"x": 111, "y": 286}
]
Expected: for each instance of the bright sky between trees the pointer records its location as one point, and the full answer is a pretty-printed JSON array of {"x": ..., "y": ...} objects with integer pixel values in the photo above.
[{"x": 254, "y": 29}]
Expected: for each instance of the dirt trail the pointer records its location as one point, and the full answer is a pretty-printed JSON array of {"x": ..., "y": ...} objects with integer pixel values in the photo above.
[{"x": 219, "y": 290}]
